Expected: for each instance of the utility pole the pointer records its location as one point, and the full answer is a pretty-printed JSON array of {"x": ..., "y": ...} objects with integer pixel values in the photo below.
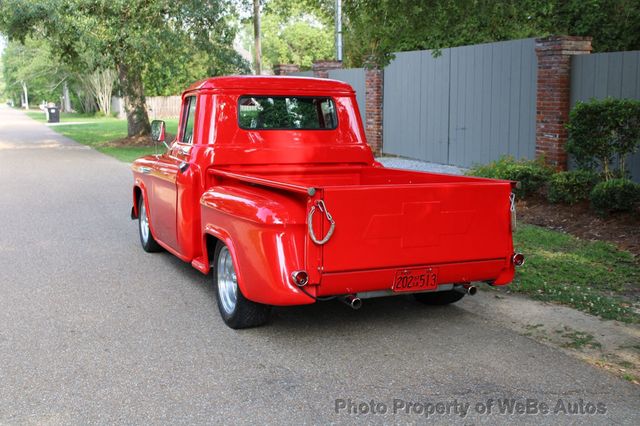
[
  {"x": 339, "y": 30},
  {"x": 256, "y": 36}
]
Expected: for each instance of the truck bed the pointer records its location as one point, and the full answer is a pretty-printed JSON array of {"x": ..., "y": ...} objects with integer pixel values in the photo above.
[{"x": 390, "y": 218}]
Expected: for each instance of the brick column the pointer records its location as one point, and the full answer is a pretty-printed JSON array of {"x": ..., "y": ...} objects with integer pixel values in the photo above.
[
  {"x": 553, "y": 94},
  {"x": 285, "y": 69},
  {"x": 373, "y": 87},
  {"x": 321, "y": 68}
]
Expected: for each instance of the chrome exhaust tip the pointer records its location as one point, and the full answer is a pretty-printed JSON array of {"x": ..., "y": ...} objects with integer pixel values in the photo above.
[
  {"x": 471, "y": 290},
  {"x": 352, "y": 301}
]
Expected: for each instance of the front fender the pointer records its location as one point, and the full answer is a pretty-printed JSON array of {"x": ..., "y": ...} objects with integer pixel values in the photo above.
[{"x": 265, "y": 232}]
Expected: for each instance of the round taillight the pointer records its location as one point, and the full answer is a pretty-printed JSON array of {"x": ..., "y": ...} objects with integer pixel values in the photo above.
[
  {"x": 300, "y": 278},
  {"x": 518, "y": 259}
]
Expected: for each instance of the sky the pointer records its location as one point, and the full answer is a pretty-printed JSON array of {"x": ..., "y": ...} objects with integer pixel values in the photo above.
[{"x": 3, "y": 43}]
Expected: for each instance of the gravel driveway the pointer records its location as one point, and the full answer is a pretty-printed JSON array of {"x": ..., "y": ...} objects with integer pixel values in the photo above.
[{"x": 95, "y": 331}]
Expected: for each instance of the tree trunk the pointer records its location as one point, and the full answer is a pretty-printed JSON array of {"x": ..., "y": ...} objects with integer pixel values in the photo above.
[
  {"x": 256, "y": 37},
  {"x": 134, "y": 101},
  {"x": 66, "y": 105},
  {"x": 25, "y": 94}
]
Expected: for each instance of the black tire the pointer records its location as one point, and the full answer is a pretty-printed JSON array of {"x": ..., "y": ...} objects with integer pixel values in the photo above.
[
  {"x": 241, "y": 312},
  {"x": 439, "y": 297},
  {"x": 149, "y": 244}
]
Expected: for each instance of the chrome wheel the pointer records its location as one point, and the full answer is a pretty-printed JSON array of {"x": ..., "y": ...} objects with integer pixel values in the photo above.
[
  {"x": 144, "y": 224},
  {"x": 227, "y": 281}
]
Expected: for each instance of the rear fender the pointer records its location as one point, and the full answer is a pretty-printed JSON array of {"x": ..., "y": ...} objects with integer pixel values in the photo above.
[{"x": 265, "y": 233}]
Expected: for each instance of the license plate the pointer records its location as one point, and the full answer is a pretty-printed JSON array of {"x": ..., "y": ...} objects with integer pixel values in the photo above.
[{"x": 415, "y": 280}]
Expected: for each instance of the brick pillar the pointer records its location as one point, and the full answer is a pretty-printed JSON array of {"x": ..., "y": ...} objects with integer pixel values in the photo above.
[
  {"x": 285, "y": 69},
  {"x": 321, "y": 68},
  {"x": 373, "y": 88},
  {"x": 553, "y": 94}
]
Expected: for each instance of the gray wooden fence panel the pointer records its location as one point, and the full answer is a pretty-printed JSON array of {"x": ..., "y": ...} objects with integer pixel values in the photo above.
[
  {"x": 492, "y": 102},
  {"x": 356, "y": 78},
  {"x": 433, "y": 100},
  {"x": 471, "y": 104},
  {"x": 403, "y": 117},
  {"x": 615, "y": 74},
  {"x": 302, "y": 74}
]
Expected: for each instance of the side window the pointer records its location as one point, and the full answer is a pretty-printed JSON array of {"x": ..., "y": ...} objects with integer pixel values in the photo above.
[{"x": 188, "y": 118}]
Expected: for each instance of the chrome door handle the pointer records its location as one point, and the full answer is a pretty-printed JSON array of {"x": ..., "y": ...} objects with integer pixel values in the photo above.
[{"x": 145, "y": 170}]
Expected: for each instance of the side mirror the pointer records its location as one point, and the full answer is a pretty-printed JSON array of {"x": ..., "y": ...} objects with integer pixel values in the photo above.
[{"x": 158, "y": 132}]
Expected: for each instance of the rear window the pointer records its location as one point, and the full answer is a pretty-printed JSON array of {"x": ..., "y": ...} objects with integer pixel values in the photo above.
[{"x": 286, "y": 113}]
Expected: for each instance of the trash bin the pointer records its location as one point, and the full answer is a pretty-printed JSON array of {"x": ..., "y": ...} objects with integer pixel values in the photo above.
[{"x": 54, "y": 114}]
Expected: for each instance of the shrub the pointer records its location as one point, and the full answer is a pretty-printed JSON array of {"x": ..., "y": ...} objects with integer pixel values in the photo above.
[
  {"x": 615, "y": 195},
  {"x": 99, "y": 114},
  {"x": 531, "y": 174},
  {"x": 602, "y": 131},
  {"x": 571, "y": 187}
]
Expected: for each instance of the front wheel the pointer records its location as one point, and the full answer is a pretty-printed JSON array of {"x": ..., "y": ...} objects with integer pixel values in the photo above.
[
  {"x": 439, "y": 297},
  {"x": 236, "y": 310},
  {"x": 149, "y": 244}
]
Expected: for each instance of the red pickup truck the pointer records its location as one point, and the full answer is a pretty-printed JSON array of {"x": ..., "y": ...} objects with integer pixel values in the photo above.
[{"x": 270, "y": 183}]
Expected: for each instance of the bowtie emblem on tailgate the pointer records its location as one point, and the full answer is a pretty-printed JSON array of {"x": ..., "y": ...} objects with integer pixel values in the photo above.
[{"x": 419, "y": 224}]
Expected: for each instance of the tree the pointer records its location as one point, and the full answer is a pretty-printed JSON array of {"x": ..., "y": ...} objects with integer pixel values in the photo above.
[
  {"x": 32, "y": 72},
  {"x": 100, "y": 85},
  {"x": 129, "y": 34},
  {"x": 299, "y": 40},
  {"x": 374, "y": 29},
  {"x": 292, "y": 32}
]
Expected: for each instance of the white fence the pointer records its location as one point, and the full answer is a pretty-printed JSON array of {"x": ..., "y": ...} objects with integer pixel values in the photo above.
[{"x": 157, "y": 106}]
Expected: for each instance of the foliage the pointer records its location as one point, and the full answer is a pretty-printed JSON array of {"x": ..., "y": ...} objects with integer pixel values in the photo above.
[
  {"x": 615, "y": 195},
  {"x": 602, "y": 131},
  {"x": 127, "y": 35},
  {"x": 613, "y": 24},
  {"x": 2, "y": 83},
  {"x": 592, "y": 276},
  {"x": 532, "y": 175},
  {"x": 299, "y": 40},
  {"x": 100, "y": 85},
  {"x": 374, "y": 29},
  {"x": 571, "y": 187},
  {"x": 293, "y": 32},
  {"x": 33, "y": 65}
]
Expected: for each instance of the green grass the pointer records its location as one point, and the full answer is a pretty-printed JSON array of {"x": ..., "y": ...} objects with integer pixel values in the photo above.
[
  {"x": 64, "y": 116},
  {"x": 579, "y": 340},
  {"x": 96, "y": 132},
  {"x": 592, "y": 276}
]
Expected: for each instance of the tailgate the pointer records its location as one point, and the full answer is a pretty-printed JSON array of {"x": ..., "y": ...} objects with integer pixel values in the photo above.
[{"x": 420, "y": 224}]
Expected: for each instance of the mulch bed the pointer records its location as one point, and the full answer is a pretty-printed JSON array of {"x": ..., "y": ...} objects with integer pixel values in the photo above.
[
  {"x": 136, "y": 141},
  {"x": 622, "y": 229}
]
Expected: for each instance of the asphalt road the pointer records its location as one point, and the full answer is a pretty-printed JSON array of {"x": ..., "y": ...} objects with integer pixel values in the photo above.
[{"x": 94, "y": 330}]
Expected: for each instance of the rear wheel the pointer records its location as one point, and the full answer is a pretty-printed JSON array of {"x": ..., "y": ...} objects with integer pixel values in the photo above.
[
  {"x": 149, "y": 244},
  {"x": 236, "y": 310},
  {"x": 439, "y": 297}
]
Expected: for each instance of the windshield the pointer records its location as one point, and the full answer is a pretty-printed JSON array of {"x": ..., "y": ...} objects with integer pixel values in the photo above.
[{"x": 286, "y": 113}]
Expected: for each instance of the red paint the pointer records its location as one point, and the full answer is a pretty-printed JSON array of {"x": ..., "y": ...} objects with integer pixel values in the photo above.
[{"x": 251, "y": 190}]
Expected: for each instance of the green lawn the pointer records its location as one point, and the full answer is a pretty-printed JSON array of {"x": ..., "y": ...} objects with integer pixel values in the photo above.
[
  {"x": 64, "y": 116},
  {"x": 96, "y": 132},
  {"x": 592, "y": 276}
]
